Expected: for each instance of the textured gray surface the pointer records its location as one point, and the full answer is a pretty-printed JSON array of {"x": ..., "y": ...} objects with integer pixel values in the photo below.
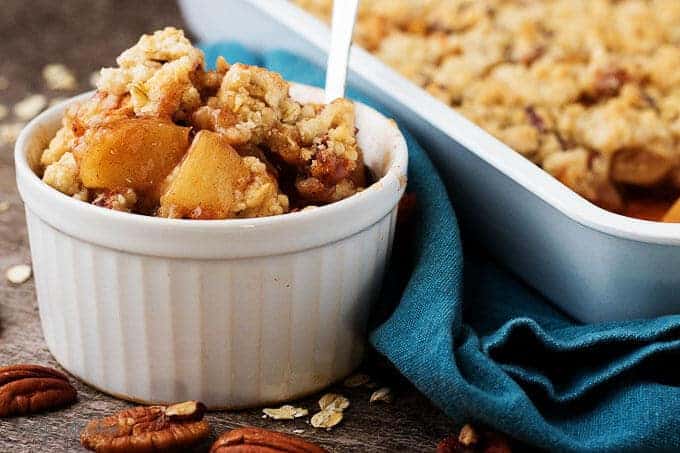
[{"x": 86, "y": 35}]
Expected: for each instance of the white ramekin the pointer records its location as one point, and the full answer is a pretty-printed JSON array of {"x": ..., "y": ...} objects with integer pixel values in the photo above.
[{"x": 234, "y": 313}]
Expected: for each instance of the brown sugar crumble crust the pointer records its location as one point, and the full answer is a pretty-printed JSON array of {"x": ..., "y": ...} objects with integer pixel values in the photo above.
[
  {"x": 164, "y": 136},
  {"x": 589, "y": 90}
]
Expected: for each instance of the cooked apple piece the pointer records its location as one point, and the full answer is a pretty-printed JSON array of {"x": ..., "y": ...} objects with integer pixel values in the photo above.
[
  {"x": 204, "y": 184},
  {"x": 214, "y": 182},
  {"x": 639, "y": 167},
  {"x": 647, "y": 208},
  {"x": 136, "y": 153}
]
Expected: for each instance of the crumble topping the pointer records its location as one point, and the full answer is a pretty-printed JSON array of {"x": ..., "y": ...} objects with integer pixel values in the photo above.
[
  {"x": 63, "y": 175},
  {"x": 164, "y": 136},
  {"x": 587, "y": 89}
]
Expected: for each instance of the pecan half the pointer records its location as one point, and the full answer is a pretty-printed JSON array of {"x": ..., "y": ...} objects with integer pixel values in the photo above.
[
  {"x": 469, "y": 440},
  {"x": 148, "y": 429},
  {"x": 26, "y": 389},
  {"x": 258, "y": 440}
]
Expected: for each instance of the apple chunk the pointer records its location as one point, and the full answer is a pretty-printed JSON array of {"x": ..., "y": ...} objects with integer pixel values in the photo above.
[
  {"x": 136, "y": 153},
  {"x": 203, "y": 186}
]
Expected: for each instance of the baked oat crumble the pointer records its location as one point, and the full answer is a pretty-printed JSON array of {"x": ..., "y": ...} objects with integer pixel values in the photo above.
[
  {"x": 94, "y": 78},
  {"x": 165, "y": 136},
  {"x": 587, "y": 89}
]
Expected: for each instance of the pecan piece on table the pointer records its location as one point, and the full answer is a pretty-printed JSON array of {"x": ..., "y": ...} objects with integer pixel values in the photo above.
[
  {"x": 148, "y": 429},
  {"x": 26, "y": 389},
  {"x": 469, "y": 440},
  {"x": 258, "y": 440}
]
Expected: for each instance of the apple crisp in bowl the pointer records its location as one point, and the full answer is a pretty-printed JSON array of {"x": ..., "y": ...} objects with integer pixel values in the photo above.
[
  {"x": 164, "y": 136},
  {"x": 232, "y": 311},
  {"x": 589, "y": 90}
]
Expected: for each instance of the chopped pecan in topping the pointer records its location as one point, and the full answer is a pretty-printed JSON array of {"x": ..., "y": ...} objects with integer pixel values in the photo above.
[
  {"x": 329, "y": 168},
  {"x": 535, "y": 119},
  {"x": 609, "y": 82},
  {"x": 25, "y": 389},
  {"x": 118, "y": 200}
]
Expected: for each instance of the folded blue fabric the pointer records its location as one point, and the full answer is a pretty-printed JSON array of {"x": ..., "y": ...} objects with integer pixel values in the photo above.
[{"x": 483, "y": 346}]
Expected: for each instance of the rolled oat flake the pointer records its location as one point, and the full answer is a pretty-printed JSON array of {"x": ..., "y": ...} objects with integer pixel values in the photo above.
[
  {"x": 286, "y": 412},
  {"x": 59, "y": 77},
  {"x": 10, "y": 132},
  {"x": 30, "y": 106},
  {"x": 382, "y": 395},
  {"x": 18, "y": 274},
  {"x": 326, "y": 419},
  {"x": 333, "y": 401}
]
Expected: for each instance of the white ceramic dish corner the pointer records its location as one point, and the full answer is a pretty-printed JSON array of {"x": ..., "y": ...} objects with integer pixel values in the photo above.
[
  {"x": 234, "y": 313},
  {"x": 595, "y": 265}
]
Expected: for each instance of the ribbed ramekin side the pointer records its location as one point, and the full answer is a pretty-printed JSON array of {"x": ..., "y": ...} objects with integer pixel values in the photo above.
[{"x": 232, "y": 333}]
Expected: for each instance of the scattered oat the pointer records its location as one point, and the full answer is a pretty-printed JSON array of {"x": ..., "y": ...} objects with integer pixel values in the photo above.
[
  {"x": 3, "y": 111},
  {"x": 357, "y": 380},
  {"x": 333, "y": 401},
  {"x": 18, "y": 274},
  {"x": 298, "y": 431},
  {"x": 55, "y": 101},
  {"x": 468, "y": 436},
  {"x": 30, "y": 106},
  {"x": 10, "y": 132},
  {"x": 4, "y": 206},
  {"x": 326, "y": 419},
  {"x": 4, "y": 83},
  {"x": 59, "y": 77},
  {"x": 286, "y": 412},
  {"x": 94, "y": 79},
  {"x": 382, "y": 395}
]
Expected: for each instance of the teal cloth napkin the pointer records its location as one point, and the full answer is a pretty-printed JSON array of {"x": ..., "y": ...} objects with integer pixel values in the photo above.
[{"x": 483, "y": 346}]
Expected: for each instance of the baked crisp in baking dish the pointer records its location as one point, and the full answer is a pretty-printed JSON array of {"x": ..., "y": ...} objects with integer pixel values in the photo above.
[
  {"x": 164, "y": 136},
  {"x": 587, "y": 89}
]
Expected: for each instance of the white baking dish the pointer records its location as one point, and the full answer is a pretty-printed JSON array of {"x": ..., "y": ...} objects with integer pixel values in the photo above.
[
  {"x": 234, "y": 313},
  {"x": 593, "y": 264}
]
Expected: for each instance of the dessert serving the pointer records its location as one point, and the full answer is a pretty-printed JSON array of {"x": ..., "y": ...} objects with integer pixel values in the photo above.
[
  {"x": 588, "y": 90},
  {"x": 256, "y": 309},
  {"x": 164, "y": 136}
]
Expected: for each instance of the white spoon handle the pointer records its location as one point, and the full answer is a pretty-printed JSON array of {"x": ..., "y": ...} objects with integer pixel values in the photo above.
[{"x": 344, "y": 17}]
